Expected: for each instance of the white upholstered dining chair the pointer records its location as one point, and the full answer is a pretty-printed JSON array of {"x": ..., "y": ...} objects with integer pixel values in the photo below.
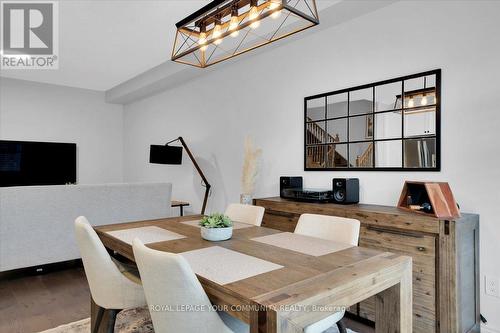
[
  {"x": 111, "y": 286},
  {"x": 334, "y": 228},
  {"x": 170, "y": 282},
  {"x": 245, "y": 213}
]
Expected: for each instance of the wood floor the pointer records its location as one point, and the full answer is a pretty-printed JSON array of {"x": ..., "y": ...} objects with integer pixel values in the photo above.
[
  {"x": 34, "y": 303},
  {"x": 39, "y": 302}
]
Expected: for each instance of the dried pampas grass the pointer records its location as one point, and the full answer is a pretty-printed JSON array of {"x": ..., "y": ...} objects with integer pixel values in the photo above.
[{"x": 250, "y": 166}]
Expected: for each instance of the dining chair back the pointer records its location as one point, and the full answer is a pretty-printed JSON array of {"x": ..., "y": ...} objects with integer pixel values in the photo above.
[
  {"x": 110, "y": 289},
  {"x": 176, "y": 299},
  {"x": 245, "y": 213},
  {"x": 334, "y": 228}
]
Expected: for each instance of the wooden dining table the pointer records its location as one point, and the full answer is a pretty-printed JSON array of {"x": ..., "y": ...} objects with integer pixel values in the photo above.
[{"x": 301, "y": 288}]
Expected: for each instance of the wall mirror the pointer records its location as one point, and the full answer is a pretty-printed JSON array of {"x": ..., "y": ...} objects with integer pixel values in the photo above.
[{"x": 389, "y": 125}]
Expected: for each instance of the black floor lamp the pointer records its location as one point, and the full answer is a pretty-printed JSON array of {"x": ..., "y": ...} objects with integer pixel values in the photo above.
[{"x": 173, "y": 155}]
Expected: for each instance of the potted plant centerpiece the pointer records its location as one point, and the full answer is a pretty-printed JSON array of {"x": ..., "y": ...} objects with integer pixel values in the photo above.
[{"x": 216, "y": 227}]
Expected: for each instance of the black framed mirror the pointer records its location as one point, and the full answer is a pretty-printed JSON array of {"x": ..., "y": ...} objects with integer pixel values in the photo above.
[{"x": 390, "y": 125}]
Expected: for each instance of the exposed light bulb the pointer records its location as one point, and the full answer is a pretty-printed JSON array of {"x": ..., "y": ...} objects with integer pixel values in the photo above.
[
  {"x": 233, "y": 24},
  {"x": 216, "y": 34},
  {"x": 252, "y": 15},
  {"x": 255, "y": 25},
  {"x": 202, "y": 40},
  {"x": 424, "y": 100},
  {"x": 273, "y": 5},
  {"x": 411, "y": 103}
]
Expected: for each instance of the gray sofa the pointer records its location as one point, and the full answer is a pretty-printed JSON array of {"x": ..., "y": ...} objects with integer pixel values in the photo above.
[{"x": 36, "y": 222}]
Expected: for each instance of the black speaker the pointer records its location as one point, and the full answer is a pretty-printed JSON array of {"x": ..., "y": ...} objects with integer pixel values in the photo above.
[
  {"x": 289, "y": 183},
  {"x": 345, "y": 190}
]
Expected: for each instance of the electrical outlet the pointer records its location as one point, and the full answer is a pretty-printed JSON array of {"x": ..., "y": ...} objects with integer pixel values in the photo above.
[{"x": 492, "y": 286}]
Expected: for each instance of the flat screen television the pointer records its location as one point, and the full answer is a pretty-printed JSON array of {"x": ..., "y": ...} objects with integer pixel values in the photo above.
[{"x": 24, "y": 163}]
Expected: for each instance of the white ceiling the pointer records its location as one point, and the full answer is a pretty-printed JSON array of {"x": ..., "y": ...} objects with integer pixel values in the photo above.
[{"x": 103, "y": 43}]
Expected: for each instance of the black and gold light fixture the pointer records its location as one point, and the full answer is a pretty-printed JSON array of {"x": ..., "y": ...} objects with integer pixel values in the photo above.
[{"x": 226, "y": 28}]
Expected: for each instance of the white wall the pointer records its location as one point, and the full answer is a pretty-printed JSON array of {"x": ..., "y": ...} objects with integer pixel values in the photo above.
[
  {"x": 263, "y": 96},
  {"x": 43, "y": 112}
]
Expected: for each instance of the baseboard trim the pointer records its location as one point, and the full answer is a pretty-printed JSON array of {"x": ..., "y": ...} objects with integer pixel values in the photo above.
[
  {"x": 40, "y": 269},
  {"x": 488, "y": 329}
]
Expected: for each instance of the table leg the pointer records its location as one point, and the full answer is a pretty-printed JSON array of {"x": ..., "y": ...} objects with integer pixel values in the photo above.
[
  {"x": 263, "y": 321},
  {"x": 393, "y": 307},
  {"x": 181, "y": 208}
]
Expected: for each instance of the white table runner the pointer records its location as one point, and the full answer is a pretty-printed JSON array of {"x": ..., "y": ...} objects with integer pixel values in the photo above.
[
  {"x": 236, "y": 225},
  {"x": 147, "y": 235},
  {"x": 224, "y": 266},
  {"x": 304, "y": 244}
]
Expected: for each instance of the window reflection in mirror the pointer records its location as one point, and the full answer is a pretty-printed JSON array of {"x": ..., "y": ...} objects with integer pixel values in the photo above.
[
  {"x": 315, "y": 109},
  {"x": 337, "y": 105},
  {"x": 388, "y": 125},
  {"x": 360, "y": 101},
  {"x": 315, "y": 132},
  {"x": 386, "y": 96},
  {"x": 337, "y": 156},
  {"x": 326, "y": 156},
  {"x": 337, "y": 130},
  {"x": 420, "y": 153},
  {"x": 361, "y": 155},
  {"x": 315, "y": 157},
  {"x": 361, "y": 128},
  {"x": 420, "y": 92},
  {"x": 389, "y": 154},
  {"x": 420, "y": 123}
]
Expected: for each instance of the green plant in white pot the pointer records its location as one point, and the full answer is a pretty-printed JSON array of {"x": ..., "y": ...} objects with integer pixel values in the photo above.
[{"x": 216, "y": 227}]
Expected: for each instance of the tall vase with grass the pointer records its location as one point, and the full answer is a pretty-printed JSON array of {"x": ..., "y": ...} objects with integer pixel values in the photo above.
[{"x": 250, "y": 171}]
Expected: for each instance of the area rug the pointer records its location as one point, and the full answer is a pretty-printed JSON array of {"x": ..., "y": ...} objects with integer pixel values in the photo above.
[{"x": 128, "y": 321}]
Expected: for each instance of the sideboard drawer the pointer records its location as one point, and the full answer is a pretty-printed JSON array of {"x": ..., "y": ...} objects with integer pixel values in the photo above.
[
  {"x": 279, "y": 220},
  {"x": 390, "y": 239}
]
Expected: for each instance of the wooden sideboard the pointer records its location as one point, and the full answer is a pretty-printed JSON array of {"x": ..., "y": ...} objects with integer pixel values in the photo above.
[{"x": 445, "y": 257}]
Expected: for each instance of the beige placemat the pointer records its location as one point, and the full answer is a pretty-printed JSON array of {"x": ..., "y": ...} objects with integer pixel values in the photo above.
[
  {"x": 236, "y": 225},
  {"x": 224, "y": 266},
  {"x": 304, "y": 244},
  {"x": 147, "y": 235}
]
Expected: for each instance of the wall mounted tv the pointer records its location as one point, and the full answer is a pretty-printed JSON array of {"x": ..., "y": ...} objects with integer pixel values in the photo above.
[{"x": 24, "y": 163}]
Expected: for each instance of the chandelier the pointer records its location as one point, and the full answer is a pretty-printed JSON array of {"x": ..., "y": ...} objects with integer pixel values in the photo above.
[{"x": 226, "y": 28}]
